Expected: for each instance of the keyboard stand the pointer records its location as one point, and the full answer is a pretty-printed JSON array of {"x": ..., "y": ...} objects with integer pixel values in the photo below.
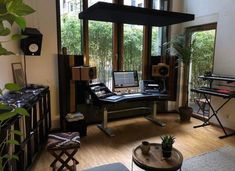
[{"x": 215, "y": 112}]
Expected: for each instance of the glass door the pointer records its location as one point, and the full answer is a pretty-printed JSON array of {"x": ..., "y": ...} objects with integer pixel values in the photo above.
[{"x": 202, "y": 41}]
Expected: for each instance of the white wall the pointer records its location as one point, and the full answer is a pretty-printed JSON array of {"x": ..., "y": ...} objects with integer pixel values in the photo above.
[
  {"x": 43, "y": 69},
  {"x": 40, "y": 69},
  {"x": 208, "y": 11},
  {"x": 5, "y": 61}
]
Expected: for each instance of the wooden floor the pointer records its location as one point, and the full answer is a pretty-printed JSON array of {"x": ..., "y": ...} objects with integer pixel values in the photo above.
[{"x": 97, "y": 148}]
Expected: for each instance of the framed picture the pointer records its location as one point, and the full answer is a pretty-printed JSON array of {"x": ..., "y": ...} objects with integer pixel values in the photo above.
[{"x": 18, "y": 74}]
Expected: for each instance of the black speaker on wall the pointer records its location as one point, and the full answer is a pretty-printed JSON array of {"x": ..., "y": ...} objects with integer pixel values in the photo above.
[{"x": 33, "y": 43}]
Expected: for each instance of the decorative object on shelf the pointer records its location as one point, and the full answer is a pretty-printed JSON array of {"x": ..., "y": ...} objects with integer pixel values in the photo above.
[
  {"x": 70, "y": 117},
  {"x": 145, "y": 147},
  {"x": 18, "y": 74},
  {"x": 7, "y": 113},
  {"x": 12, "y": 11},
  {"x": 167, "y": 142},
  {"x": 184, "y": 53}
]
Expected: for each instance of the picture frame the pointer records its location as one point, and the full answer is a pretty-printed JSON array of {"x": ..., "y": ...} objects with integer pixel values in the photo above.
[{"x": 18, "y": 74}]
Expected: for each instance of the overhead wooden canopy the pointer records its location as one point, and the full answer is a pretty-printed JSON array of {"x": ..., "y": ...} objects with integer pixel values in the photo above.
[{"x": 102, "y": 11}]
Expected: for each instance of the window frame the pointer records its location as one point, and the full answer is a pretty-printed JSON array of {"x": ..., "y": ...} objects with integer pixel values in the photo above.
[{"x": 117, "y": 38}]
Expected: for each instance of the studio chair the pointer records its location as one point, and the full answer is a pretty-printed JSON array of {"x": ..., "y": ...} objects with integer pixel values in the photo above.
[
  {"x": 63, "y": 146},
  {"x": 202, "y": 106}
]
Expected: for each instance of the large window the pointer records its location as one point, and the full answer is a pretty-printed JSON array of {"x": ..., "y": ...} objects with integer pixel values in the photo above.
[
  {"x": 133, "y": 42},
  {"x": 100, "y": 48},
  {"x": 70, "y": 26}
]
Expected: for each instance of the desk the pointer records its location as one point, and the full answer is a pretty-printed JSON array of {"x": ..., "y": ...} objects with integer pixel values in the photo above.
[
  {"x": 128, "y": 98},
  {"x": 153, "y": 161},
  {"x": 112, "y": 98}
]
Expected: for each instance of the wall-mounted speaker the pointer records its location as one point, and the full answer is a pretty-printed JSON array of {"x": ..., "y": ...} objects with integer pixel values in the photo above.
[
  {"x": 32, "y": 44},
  {"x": 160, "y": 70},
  {"x": 83, "y": 73}
]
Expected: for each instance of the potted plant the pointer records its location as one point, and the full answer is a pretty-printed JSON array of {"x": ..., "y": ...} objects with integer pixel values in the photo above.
[
  {"x": 167, "y": 143},
  {"x": 11, "y": 12},
  {"x": 184, "y": 54}
]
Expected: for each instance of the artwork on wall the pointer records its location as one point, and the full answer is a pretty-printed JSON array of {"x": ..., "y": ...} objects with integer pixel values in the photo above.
[{"x": 18, "y": 74}]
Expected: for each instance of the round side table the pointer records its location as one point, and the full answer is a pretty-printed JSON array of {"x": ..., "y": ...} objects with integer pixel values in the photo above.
[{"x": 154, "y": 161}]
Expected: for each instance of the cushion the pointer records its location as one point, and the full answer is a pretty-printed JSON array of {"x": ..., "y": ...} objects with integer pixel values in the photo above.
[
  {"x": 68, "y": 140},
  {"x": 109, "y": 167}
]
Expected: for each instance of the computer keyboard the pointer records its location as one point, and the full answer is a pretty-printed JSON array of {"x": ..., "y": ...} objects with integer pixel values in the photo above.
[{"x": 133, "y": 95}]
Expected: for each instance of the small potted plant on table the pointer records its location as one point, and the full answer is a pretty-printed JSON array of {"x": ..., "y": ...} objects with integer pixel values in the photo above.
[{"x": 167, "y": 142}]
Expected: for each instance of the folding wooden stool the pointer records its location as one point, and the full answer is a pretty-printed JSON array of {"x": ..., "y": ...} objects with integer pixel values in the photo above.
[{"x": 61, "y": 144}]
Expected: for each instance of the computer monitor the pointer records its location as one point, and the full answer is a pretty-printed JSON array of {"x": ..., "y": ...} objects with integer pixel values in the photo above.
[{"x": 124, "y": 79}]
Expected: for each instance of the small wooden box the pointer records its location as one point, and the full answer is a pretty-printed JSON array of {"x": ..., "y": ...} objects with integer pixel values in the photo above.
[{"x": 83, "y": 73}]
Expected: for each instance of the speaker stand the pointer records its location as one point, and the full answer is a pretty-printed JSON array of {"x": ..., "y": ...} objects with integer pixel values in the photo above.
[{"x": 25, "y": 75}]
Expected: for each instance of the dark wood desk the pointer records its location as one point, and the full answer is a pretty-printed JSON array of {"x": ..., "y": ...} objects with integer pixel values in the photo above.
[
  {"x": 128, "y": 98},
  {"x": 153, "y": 161},
  {"x": 103, "y": 97}
]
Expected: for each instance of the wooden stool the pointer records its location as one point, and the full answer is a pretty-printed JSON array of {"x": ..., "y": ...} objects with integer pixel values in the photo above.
[{"x": 60, "y": 144}]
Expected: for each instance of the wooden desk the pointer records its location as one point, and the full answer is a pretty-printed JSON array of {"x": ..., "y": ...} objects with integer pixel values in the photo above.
[
  {"x": 153, "y": 161},
  {"x": 103, "y": 97}
]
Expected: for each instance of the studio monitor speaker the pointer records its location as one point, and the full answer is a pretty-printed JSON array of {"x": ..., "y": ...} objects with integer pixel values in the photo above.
[
  {"x": 160, "y": 70},
  {"x": 33, "y": 43},
  {"x": 83, "y": 73}
]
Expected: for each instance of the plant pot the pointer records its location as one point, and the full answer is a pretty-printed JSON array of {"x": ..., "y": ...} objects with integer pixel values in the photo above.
[
  {"x": 166, "y": 152},
  {"x": 145, "y": 147},
  {"x": 185, "y": 113}
]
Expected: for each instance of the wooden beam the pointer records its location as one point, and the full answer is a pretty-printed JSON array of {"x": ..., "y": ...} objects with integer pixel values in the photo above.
[
  {"x": 85, "y": 36},
  {"x": 147, "y": 36},
  {"x": 118, "y": 43}
]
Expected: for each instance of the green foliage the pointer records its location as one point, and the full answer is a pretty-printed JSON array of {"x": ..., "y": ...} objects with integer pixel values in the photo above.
[
  {"x": 167, "y": 141},
  {"x": 133, "y": 47},
  {"x": 12, "y": 11},
  {"x": 6, "y": 114},
  {"x": 100, "y": 45},
  {"x": 155, "y": 42},
  {"x": 184, "y": 52},
  {"x": 202, "y": 57},
  {"x": 71, "y": 35},
  {"x": 100, "y": 49}
]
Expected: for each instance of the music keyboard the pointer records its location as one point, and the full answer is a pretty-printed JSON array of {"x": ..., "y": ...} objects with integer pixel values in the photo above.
[{"x": 215, "y": 92}]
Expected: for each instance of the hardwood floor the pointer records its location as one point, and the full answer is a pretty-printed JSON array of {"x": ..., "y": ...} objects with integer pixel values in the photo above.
[{"x": 97, "y": 148}]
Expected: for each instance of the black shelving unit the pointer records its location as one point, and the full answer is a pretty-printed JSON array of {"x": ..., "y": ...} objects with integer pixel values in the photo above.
[{"x": 35, "y": 128}]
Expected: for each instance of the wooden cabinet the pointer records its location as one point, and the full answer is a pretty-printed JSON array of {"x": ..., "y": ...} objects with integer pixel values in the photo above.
[{"x": 35, "y": 128}]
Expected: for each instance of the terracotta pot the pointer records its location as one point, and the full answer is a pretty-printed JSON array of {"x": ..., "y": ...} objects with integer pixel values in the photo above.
[{"x": 185, "y": 113}]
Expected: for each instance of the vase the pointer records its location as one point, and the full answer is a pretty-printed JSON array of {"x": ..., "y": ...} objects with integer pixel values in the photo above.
[
  {"x": 145, "y": 147},
  {"x": 166, "y": 152}
]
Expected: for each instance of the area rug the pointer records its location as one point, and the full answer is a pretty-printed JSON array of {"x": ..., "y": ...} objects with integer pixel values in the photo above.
[{"x": 222, "y": 159}]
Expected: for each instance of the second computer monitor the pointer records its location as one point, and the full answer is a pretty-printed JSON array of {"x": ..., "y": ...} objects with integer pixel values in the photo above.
[{"x": 124, "y": 79}]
